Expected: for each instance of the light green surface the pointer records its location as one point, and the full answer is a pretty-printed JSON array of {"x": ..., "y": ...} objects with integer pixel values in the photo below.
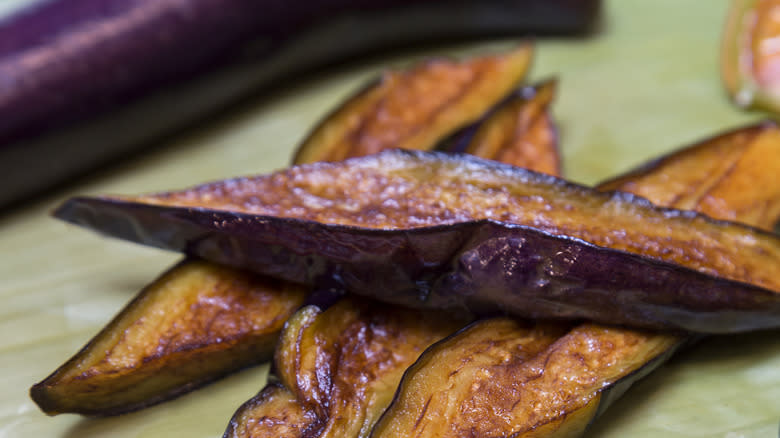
[
  {"x": 7, "y": 7},
  {"x": 647, "y": 84}
]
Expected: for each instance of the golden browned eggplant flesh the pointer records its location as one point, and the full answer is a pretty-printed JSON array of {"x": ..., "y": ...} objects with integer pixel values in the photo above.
[
  {"x": 344, "y": 363},
  {"x": 416, "y": 108},
  {"x": 530, "y": 121},
  {"x": 461, "y": 382},
  {"x": 120, "y": 386},
  {"x": 472, "y": 381},
  {"x": 192, "y": 325},
  {"x": 274, "y": 412},
  {"x": 442, "y": 231},
  {"x": 497, "y": 378},
  {"x": 520, "y": 130},
  {"x": 732, "y": 176}
]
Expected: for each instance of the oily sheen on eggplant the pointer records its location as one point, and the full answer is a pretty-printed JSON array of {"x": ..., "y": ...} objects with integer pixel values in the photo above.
[
  {"x": 419, "y": 107},
  {"x": 339, "y": 368},
  {"x": 194, "y": 288},
  {"x": 441, "y": 231},
  {"x": 572, "y": 381},
  {"x": 498, "y": 377},
  {"x": 274, "y": 412},
  {"x": 196, "y": 323},
  {"x": 732, "y": 176},
  {"x": 344, "y": 363},
  {"x": 520, "y": 132},
  {"x": 498, "y": 367}
]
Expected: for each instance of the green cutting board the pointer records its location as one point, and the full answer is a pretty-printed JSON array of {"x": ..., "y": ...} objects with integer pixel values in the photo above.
[{"x": 647, "y": 83}]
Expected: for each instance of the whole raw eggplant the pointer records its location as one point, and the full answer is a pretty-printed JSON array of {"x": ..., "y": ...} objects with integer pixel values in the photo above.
[
  {"x": 454, "y": 231},
  {"x": 75, "y": 73}
]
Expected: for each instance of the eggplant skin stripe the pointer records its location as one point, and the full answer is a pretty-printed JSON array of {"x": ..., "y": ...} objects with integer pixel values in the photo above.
[{"x": 549, "y": 248}]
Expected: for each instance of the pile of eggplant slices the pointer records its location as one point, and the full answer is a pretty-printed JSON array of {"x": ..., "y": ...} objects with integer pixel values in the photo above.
[{"x": 422, "y": 270}]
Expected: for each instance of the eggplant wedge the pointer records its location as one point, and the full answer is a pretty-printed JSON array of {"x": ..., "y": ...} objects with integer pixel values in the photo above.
[
  {"x": 562, "y": 389},
  {"x": 486, "y": 354},
  {"x": 520, "y": 132},
  {"x": 732, "y": 176},
  {"x": 194, "y": 324},
  {"x": 416, "y": 108},
  {"x": 338, "y": 369},
  {"x": 473, "y": 385},
  {"x": 532, "y": 140},
  {"x": 748, "y": 57},
  {"x": 275, "y": 412},
  {"x": 586, "y": 369},
  {"x": 433, "y": 230},
  {"x": 344, "y": 363},
  {"x": 108, "y": 385}
]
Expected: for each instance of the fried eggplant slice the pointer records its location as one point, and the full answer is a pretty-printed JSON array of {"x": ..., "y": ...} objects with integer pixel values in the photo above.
[
  {"x": 343, "y": 364},
  {"x": 481, "y": 343},
  {"x": 434, "y": 230},
  {"x": 399, "y": 88},
  {"x": 472, "y": 385},
  {"x": 591, "y": 366},
  {"x": 732, "y": 176},
  {"x": 194, "y": 324},
  {"x": 274, "y": 412},
  {"x": 416, "y": 108},
  {"x": 521, "y": 132},
  {"x": 346, "y": 413},
  {"x": 505, "y": 69},
  {"x": 749, "y": 57}
]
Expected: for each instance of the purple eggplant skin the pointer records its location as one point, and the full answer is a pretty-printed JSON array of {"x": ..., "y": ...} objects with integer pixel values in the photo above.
[
  {"x": 73, "y": 73},
  {"x": 484, "y": 266},
  {"x": 465, "y": 267}
]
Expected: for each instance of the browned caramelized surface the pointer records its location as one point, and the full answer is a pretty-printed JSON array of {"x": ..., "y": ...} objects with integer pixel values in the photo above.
[
  {"x": 556, "y": 394},
  {"x": 717, "y": 177},
  {"x": 305, "y": 358},
  {"x": 465, "y": 376},
  {"x": 521, "y": 133},
  {"x": 207, "y": 317},
  {"x": 397, "y": 190},
  {"x": 196, "y": 322},
  {"x": 417, "y": 107},
  {"x": 455, "y": 394},
  {"x": 274, "y": 412},
  {"x": 453, "y": 377},
  {"x": 482, "y": 367},
  {"x": 345, "y": 363}
]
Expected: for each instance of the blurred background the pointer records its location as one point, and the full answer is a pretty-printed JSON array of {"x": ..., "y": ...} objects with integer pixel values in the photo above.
[
  {"x": 87, "y": 81},
  {"x": 135, "y": 96}
]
